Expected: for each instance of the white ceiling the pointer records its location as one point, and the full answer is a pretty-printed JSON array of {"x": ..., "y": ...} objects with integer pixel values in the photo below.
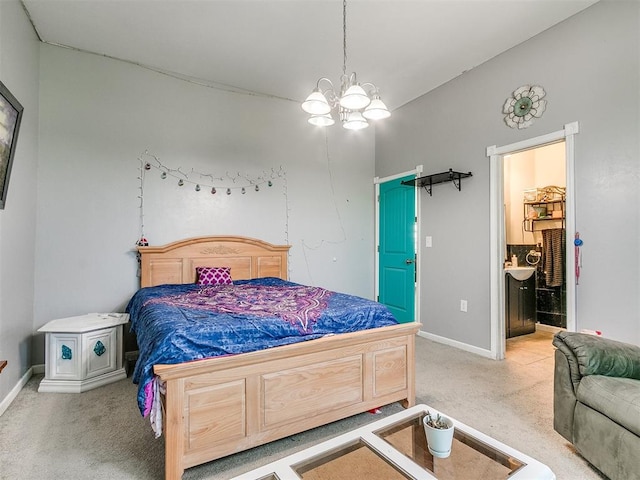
[{"x": 281, "y": 47}]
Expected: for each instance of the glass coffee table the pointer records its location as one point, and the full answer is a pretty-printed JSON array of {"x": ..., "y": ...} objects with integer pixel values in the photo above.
[{"x": 395, "y": 447}]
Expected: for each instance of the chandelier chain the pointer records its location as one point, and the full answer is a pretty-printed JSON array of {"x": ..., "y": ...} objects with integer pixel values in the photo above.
[{"x": 344, "y": 37}]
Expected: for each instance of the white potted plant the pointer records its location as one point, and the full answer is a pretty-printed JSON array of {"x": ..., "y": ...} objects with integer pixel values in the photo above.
[{"x": 439, "y": 432}]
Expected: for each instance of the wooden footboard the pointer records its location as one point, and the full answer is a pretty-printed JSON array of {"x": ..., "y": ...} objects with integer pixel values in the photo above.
[{"x": 221, "y": 406}]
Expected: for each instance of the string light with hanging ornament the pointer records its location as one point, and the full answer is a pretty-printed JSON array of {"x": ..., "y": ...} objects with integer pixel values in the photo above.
[
  {"x": 210, "y": 182},
  {"x": 240, "y": 181}
]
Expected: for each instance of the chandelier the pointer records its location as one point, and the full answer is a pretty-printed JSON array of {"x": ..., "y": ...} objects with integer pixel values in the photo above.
[{"x": 354, "y": 106}]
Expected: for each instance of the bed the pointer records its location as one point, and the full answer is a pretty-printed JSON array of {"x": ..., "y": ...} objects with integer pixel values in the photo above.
[{"x": 218, "y": 406}]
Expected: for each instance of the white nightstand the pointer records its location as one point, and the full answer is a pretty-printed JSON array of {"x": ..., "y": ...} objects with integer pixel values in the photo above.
[{"x": 83, "y": 353}]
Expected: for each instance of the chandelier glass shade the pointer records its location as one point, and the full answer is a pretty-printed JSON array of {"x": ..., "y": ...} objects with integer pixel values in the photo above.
[
  {"x": 325, "y": 120},
  {"x": 376, "y": 110},
  {"x": 353, "y": 105},
  {"x": 355, "y": 98},
  {"x": 355, "y": 121},
  {"x": 316, "y": 104}
]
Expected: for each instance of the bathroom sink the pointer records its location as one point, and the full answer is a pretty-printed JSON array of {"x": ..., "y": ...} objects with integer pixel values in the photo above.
[{"x": 520, "y": 273}]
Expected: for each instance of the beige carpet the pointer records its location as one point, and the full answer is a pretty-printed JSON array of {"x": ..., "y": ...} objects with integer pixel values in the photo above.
[{"x": 100, "y": 435}]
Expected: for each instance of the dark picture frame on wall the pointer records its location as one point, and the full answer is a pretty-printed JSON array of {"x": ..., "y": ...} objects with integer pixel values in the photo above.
[{"x": 10, "y": 118}]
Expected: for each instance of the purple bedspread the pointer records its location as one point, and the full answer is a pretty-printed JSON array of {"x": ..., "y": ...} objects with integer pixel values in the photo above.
[{"x": 180, "y": 323}]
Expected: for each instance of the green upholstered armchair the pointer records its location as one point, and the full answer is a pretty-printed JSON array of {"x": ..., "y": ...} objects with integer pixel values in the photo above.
[{"x": 597, "y": 401}]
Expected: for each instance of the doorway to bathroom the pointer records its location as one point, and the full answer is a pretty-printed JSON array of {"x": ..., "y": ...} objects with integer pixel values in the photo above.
[
  {"x": 534, "y": 201},
  {"x": 536, "y": 211}
]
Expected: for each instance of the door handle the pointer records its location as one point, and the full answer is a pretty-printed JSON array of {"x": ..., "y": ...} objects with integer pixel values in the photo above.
[{"x": 409, "y": 261}]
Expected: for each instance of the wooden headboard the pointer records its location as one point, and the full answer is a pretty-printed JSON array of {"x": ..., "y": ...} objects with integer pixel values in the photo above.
[{"x": 176, "y": 262}]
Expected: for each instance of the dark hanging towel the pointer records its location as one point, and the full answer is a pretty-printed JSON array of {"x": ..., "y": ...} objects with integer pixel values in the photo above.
[{"x": 553, "y": 256}]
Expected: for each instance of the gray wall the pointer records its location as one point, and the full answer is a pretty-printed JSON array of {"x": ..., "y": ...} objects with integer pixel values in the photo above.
[
  {"x": 589, "y": 67},
  {"x": 19, "y": 73},
  {"x": 99, "y": 115}
]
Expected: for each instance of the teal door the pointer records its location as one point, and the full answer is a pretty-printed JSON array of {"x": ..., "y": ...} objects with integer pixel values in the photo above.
[{"x": 397, "y": 248}]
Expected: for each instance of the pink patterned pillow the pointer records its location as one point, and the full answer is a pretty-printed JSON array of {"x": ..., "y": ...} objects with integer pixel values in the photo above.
[{"x": 214, "y": 276}]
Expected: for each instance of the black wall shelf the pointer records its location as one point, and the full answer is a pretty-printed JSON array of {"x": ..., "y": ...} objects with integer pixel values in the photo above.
[{"x": 428, "y": 181}]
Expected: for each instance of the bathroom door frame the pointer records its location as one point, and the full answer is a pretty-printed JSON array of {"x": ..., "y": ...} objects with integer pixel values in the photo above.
[{"x": 498, "y": 239}]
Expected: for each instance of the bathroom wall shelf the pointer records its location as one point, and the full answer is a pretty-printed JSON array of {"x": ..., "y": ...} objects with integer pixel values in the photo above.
[
  {"x": 552, "y": 210},
  {"x": 428, "y": 181}
]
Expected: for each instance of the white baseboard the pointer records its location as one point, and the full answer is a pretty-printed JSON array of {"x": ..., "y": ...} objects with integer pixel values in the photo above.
[
  {"x": 453, "y": 343},
  {"x": 38, "y": 369},
  {"x": 15, "y": 391},
  {"x": 548, "y": 328}
]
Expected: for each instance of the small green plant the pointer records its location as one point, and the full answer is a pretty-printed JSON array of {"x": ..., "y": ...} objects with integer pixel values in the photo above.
[{"x": 437, "y": 422}]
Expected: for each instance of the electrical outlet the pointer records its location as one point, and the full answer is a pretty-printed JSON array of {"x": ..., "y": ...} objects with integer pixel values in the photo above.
[
  {"x": 428, "y": 242},
  {"x": 463, "y": 305}
]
